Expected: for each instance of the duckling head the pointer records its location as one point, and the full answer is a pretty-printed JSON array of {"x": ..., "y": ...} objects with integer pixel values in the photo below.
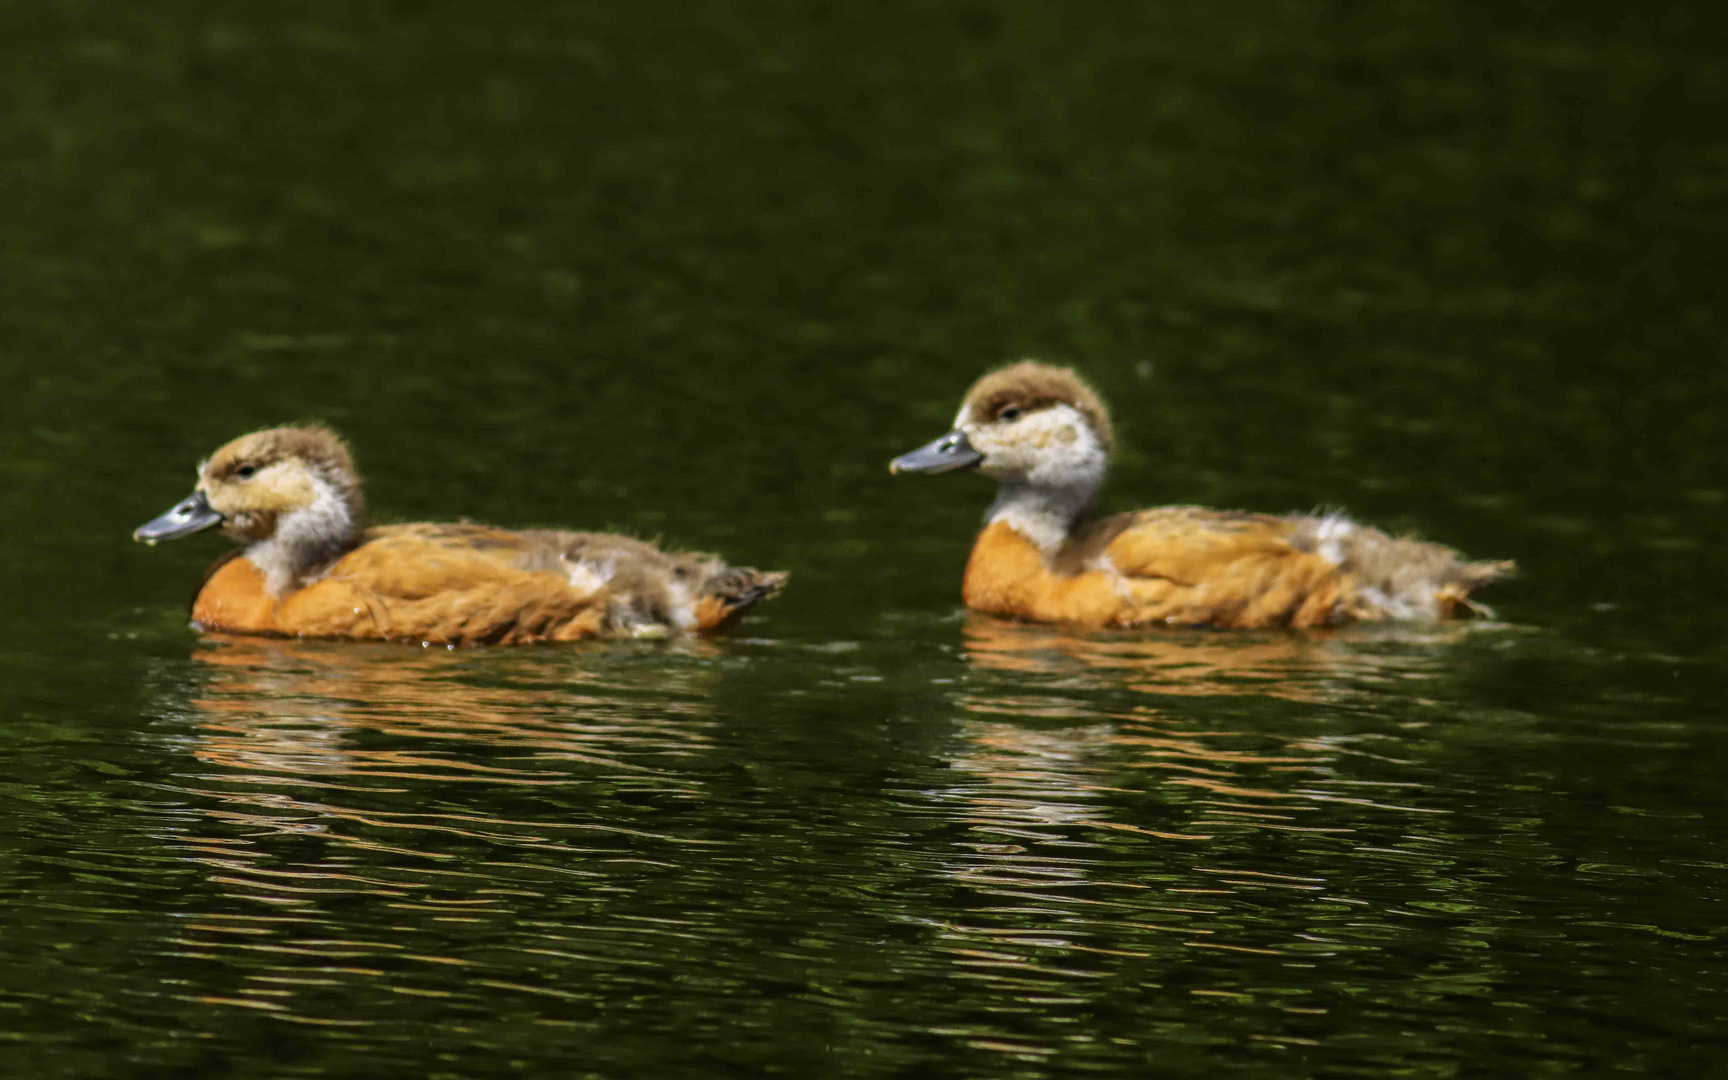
[
  {"x": 290, "y": 494},
  {"x": 1027, "y": 423},
  {"x": 1039, "y": 431}
]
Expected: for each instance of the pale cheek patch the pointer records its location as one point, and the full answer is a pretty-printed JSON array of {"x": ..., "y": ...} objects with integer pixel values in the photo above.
[
  {"x": 281, "y": 489},
  {"x": 1045, "y": 429},
  {"x": 286, "y": 490}
]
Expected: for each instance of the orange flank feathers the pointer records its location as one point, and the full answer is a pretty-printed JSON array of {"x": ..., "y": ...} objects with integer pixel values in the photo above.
[
  {"x": 291, "y": 498},
  {"x": 1045, "y": 437}
]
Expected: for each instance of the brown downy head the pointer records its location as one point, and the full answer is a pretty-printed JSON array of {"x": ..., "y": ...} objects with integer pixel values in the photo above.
[
  {"x": 289, "y": 493},
  {"x": 1027, "y": 423},
  {"x": 259, "y": 479},
  {"x": 1008, "y": 394}
]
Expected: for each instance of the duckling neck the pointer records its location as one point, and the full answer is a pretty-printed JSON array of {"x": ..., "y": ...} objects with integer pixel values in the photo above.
[
  {"x": 305, "y": 542},
  {"x": 1041, "y": 513}
]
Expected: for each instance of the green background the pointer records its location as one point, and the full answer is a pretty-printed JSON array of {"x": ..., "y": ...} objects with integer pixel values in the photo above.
[{"x": 696, "y": 272}]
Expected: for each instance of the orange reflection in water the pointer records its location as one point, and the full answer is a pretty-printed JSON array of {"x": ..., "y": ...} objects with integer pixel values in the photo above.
[
  {"x": 1087, "y": 752},
  {"x": 378, "y": 747},
  {"x": 1295, "y": 665},
  {"x": 421, "y": 777},
  {"x": 291, "y": 708},
  {"x": 1015, "y": 742},
  {"x": 1179, "y": 662},
  {"x": 1069, "y": 727}
]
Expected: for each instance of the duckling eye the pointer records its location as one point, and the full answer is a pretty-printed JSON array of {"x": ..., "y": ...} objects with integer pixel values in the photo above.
[
  {"x": 1008, "y": 415},
  {"x": 245, "y": 472}
]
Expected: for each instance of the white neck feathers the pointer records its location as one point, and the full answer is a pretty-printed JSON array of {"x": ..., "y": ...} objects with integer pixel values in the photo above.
[
  {"x": 305, "y": 541},
  {"x": 1042, "y": 515},
  {"x": 1050, "y": 464}
]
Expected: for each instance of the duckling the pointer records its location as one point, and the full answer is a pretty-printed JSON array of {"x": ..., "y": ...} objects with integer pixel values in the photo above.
[
  {"x": 1044, "y": 436},
  {"x": 290, "y": 496}
]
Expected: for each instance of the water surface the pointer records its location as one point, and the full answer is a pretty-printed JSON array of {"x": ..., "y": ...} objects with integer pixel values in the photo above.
[{"x": 697, "y": 273}]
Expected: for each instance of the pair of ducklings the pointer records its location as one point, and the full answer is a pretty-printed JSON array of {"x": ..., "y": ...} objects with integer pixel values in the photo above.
[{"x": 290, "y": 496}]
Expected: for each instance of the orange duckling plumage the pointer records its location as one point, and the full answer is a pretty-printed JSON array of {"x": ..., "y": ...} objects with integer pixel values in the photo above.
[
  {"x": 306, "y": 568},
  {"x": 1044, "y": 436}
]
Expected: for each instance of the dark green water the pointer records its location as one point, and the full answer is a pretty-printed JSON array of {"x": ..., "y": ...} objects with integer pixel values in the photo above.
[{"x": 697, "y": 271}]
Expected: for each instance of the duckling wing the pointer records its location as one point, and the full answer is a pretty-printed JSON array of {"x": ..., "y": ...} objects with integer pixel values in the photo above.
[
  {"x": 456, "y": 584},
  {"x": 412, "y": 562},
  {"x": 1192, "y": 566},
  {"x": 463, "y": 583}
]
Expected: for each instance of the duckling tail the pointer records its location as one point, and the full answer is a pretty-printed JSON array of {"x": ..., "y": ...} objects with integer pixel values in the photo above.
[
  {"x": 727, "y": 595},
  {"x": 1472, "y": 574},
  {"x": 1453, "y": 597},
  {"x": 1395, "y": 577}
]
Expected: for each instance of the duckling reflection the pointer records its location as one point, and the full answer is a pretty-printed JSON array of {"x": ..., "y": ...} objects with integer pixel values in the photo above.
[
  {"x": 1111, "y": 813},
  {"x": 1056, "y": 750},
  {"x": 342, "y": 775},
  {"x": 1088, "y": 828},
  {"x": 288, "y": 709},
  {"x": 1240, "y": 773},
  {"x": 337, "y": 741},
  {"x": 1088, "y": 786},
  {"x": 1319, "y": 666},
  {"x": 1193, "y": 662}
]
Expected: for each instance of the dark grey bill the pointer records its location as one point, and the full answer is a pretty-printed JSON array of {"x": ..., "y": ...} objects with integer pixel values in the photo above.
[
  {"x": 191, "y": 514},
  {"x": 946, "y": 454}
]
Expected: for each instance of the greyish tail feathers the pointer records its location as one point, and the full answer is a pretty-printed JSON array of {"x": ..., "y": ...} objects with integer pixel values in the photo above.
[{"x": 1399, "y": 577}]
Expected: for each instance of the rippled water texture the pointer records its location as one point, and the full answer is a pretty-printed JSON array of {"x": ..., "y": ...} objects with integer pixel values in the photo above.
[{"x": 696, "y": 272}]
